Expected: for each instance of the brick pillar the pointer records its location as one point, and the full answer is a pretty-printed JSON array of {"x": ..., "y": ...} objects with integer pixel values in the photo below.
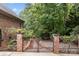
[
  {"x": 19, "y": 43},
  {"x": 56, "y": 44}
]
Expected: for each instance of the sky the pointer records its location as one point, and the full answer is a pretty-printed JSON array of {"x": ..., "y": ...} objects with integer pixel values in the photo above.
[{"x": 16, "y": 7}]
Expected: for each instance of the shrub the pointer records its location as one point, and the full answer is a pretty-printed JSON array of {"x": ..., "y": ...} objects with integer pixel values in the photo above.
[
  {"x": 12, "y": 44},
  {"x": 66, "y": 39},
  {"x": 75, "y": 30}
]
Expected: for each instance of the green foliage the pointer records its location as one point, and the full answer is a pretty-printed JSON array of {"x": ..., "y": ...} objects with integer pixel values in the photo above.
[
  {"x": 67, "y": 39},
  {"x": 28, "y": 33},
  {"x": 46, "y": 18},
  {"x": 73, "y": 19},
  {"x": 75, "y": 30},
  {"x": 41, "y": 19},
  {"x": 11, "y": 44}
]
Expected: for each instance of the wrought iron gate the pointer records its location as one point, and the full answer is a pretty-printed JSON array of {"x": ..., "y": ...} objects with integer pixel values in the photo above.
[{"x": 36, "y": 45}]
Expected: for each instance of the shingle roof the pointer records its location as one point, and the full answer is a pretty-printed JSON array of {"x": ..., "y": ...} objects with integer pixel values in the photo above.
[{"x": 9, "y": 11}]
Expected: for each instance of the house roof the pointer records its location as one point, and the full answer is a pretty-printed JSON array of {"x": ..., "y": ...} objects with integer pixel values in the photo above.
[{"x": 8, "y": 12}]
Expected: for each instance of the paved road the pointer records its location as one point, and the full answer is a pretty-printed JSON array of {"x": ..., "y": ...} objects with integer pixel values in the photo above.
[{"x": 33, "y": 54}]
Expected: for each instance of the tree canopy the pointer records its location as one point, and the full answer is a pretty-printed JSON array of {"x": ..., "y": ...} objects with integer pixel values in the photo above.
[{"x": 47, "y": 18}]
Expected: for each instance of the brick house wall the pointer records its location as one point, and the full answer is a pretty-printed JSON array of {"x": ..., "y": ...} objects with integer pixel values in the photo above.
[{"x": 7, "y": 22}]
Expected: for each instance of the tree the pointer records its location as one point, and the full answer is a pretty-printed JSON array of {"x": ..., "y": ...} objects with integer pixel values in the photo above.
[
  {"x": 46, "y": 18},
  {"x": 73, "y": 19}
]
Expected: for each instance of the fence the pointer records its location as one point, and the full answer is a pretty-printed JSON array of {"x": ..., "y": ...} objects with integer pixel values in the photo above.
[
  {"x": 69, "y": 48},
  {"x": 37, "y": 45},
  {"x": 55, "y": 44}
]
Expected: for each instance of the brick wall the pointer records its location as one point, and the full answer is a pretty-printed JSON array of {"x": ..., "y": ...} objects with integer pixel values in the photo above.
[{"x": 8, "y": 22}]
